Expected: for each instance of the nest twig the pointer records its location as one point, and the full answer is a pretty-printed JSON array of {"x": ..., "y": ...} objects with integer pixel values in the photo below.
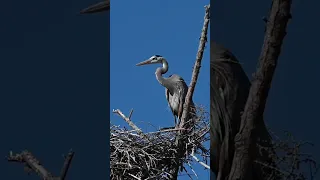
[{"x": 290, "y": 159}]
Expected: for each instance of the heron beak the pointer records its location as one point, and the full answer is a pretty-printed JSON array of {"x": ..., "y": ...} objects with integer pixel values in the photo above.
[
  {"x": 144, "y": 62},
  {"x": 99, "y": 7}
]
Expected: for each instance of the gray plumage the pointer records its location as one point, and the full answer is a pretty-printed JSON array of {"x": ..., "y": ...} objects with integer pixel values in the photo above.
[
  {"x": 176, "y": 96},
  {"x": 99, "y": 7},
  {"x": 229, "y": 89},
  {"x": 227, "y": 101},
  {"x": 175, "y": 87}
]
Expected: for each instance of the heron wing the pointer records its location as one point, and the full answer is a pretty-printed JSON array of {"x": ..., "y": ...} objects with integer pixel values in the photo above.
[
  {"x": 168, "y": 96},
  {"x": 180, "y": 90},
  {"x": 183, "y": 88}
]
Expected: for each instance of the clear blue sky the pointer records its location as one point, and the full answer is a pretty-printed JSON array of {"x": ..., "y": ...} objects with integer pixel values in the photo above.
[{"x": 140, "y": 30}]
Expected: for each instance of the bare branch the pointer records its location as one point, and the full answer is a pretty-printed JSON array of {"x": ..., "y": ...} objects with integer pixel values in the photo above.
[
  {"x": 197, "y": 65},
  {"x": 66, "y": 165},
  {"x": 185, "y": 114},
  {"x": 131, "y": 124},
  {"x": 33, "y": 164},
  {"x": 245, "y": 139},
  {"x": 96, "y": 8}
]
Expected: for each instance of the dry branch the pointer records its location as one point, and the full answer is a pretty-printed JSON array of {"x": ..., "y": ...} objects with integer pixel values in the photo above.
[
  {"x": 196, "y": 69},
  {"x": 32, "y": 164},
  {"x": 131, "y": 124},
  {"x": 96, "y": 8},
  {"x": 66, "y": 165},
  {"x": 180, "y": 141},
  {"x": 246, "y": 138}
]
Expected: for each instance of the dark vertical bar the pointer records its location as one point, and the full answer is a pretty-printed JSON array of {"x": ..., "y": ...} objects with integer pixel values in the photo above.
[
  {"x": 55, "y": 88},
  {"x": 103, "y": 158},
  {"x": 213, "y": 151}
]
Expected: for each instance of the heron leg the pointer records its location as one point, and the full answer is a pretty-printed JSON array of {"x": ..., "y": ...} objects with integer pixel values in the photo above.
[
  {"x": 175, "y": 122},
  {"x": 174, "y": 127}
]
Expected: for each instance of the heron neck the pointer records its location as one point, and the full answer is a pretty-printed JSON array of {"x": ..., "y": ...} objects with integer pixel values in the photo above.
[
  {"x": 165, "y": 67},
  {"x": 160, "y": 71}
]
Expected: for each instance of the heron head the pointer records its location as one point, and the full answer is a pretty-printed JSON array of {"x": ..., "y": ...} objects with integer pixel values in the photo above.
[
  {"x": 156, "y": 59},
  {"x": 219, "y": 52}
]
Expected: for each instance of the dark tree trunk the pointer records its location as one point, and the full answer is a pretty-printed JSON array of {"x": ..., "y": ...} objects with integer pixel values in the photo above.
[{"x": 246, "y": 138}]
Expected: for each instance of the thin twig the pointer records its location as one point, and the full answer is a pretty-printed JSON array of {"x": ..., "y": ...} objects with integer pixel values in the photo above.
[
  {"x": 131, "y": 124},
  {"x": 167, "y": 130},
  {"x": 196, "y": 159},
  {"x": 135, "y": 177},
  {"x": 66, "y": 165},
  {"x": 130, "y": 114}
]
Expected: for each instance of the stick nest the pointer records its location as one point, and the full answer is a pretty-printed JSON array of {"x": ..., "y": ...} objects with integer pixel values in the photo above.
[{"x": 138, "y": 155}]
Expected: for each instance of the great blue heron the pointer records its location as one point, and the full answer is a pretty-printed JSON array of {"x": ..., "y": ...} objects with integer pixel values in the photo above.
[
  {"x": 229, "y": 89},
  {"x": 175, "y": 87},
  {"x": 99, "y": 7}
]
